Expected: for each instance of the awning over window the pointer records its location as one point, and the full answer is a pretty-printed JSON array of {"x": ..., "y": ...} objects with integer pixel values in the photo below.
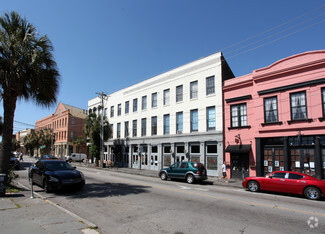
[{"x": 238, "y": 149}]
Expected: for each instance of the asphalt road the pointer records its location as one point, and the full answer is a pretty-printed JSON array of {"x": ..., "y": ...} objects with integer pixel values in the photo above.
[{"x": 124, "y": 203}]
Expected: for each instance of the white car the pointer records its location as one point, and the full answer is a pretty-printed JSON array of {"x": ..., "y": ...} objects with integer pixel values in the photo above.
[{"x": 76, "y": 157}]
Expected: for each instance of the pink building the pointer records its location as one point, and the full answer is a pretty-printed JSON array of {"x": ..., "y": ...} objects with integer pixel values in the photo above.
[{"x": 274, "y": 118}]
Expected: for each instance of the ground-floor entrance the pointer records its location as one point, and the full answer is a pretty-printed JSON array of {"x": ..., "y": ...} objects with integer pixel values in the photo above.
[
  {"x": 239, "y": 165},
  {"x": 305, "y": 154}
]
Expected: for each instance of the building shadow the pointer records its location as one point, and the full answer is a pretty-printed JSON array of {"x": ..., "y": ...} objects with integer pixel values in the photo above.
[{"x": 96, "y": 190}]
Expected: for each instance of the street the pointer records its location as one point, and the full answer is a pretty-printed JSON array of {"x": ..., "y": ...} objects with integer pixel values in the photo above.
[{"x": 124, "y": 203}]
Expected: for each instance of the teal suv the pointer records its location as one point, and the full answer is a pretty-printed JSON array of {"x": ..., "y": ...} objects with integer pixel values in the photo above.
[{"x": 189, "y": 171}]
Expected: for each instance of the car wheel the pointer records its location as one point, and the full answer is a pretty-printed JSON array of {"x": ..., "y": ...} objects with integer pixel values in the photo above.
[
  {"x": 253, "y": 186},
  {"x": 312, "y": 193},
  {"x": 163, "y": 176},
  {"x": 190, "y": 179},
  {"x": 46, "y": 186}
]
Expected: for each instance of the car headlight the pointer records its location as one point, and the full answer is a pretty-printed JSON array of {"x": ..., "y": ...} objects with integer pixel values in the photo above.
[
  {"x": 82, "y": 175},
  {"x": 53, "y": 179}
]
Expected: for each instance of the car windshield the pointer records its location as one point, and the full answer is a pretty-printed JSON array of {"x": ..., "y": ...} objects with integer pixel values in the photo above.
[{"x": 58, "y": 166}]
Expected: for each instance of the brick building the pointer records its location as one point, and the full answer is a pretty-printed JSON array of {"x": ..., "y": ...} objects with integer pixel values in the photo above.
[{"x": 67, "y": 123}]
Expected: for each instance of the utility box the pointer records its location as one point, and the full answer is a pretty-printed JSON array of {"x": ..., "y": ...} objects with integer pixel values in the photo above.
[{"x": 2, "y": 185}]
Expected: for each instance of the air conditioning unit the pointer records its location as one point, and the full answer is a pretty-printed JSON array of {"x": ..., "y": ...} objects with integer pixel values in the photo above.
[{"x": 179, "y": 132}]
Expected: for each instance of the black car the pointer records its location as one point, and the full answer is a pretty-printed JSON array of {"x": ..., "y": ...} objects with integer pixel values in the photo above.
[
  {"x": 190, "y": 171},
  {"x": 55, "y": 175},
  {"x": 14, "y": 163},
  {"x": 48, "y": 157}
]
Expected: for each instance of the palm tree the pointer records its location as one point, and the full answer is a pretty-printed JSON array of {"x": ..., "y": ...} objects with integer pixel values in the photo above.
[
  {"x": 27, "y": 71},
  {"x": 79, "y": 141},
  {"x": 92, "y": 131}
]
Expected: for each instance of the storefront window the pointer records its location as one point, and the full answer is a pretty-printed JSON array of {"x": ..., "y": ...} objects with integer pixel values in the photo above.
[
  {"x": 309, "y": 161},
  {"x": 167, "y": 161},
  {"x": 268, "y": 161},
  {"x": 295, "y": 160},
  {"x": 278, "y": 160}
]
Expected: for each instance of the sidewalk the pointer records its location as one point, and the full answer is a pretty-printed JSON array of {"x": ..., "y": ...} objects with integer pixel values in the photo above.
[
  {"x": 21, "y": 214},
  {"x": 213, "y": 180}
]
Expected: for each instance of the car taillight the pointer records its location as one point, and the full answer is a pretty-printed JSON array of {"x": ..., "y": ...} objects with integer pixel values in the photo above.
[{"x": 198, "y": 172}]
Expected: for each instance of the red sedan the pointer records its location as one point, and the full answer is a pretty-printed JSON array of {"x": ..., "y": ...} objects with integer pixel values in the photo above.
[{"x": 287, "y": 182}]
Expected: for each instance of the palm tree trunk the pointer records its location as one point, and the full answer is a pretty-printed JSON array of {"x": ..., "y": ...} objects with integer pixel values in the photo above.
[{"x": 9, "y": 107}]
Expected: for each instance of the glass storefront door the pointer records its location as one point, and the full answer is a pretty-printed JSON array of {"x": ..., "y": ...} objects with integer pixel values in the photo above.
[
  {"x": 303, "y": 160},
  {"x": 273, "y": 160}
]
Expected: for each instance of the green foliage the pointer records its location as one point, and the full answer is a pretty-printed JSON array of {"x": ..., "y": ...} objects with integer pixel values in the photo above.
[
  {"x": 15, "y": 145},
  {"x": 92, "y": 131},
  {"x": 27, "y": 71}
]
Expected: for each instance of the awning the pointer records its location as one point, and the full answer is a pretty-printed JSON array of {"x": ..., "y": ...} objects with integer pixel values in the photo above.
[{"x": 238, "y": 149}]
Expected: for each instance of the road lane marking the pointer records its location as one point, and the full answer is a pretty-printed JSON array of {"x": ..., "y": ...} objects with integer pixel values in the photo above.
[{"x": 189, "y": 192}]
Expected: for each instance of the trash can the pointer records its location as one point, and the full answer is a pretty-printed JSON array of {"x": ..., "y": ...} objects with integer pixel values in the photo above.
[{"x": 2, "y": 185}]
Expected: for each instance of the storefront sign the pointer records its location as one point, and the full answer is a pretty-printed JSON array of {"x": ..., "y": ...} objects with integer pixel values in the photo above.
[
  {"x": 276, "y": 163},
  {"x": 297, "y": 164},
  {"x": 270, "y": 168},
  {"x": 265, "y": 163}
]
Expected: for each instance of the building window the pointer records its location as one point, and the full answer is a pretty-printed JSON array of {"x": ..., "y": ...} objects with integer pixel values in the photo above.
[
  {"x": 126, "y": 129},
  {"x": 179, "y": 122},
  {"x": 143, "y": 127},
  {"x": 239, "y": 115},
  {"x": 73, "y": 121},
  {"x": 112, "y": 111},
  {"x": 119, "y": 109},
  {"x": 135, "y": 105},
  {"x": 323, "y": 101},
  {"x": 193, "y": 89},
  {"x": 194, "y": 121},
  {"x": 154, "y": 100},
  {"x": 127, "y": 107},
  {"x": 271, "y": 110},
  {"x": 166, "y": 97},
  {"x": 298, "y": 106},
  {"x": 118, "y": 130},
  {"x": 134, "y": 128},
  {"x": 112, "y": 130},
  {"x": 154, "y": 126},
  {"x": 179, "y": 93},
  {"x": 72, "y": 135},
  {"x": 166, "y": 124},
  {"x": 210, "y": 88},
  {"x": 211, "y": 118},
  {"x": 144, "y": 103}
]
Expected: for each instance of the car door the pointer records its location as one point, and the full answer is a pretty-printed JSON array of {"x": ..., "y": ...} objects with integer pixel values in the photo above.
[
  {"x": 38, "y": 172},
  {"x": 294, "y": 183},
  {"x": 173, "y": 170},
  {"x": 182, "y": 170},
  {"x": 275, "y": 182}
]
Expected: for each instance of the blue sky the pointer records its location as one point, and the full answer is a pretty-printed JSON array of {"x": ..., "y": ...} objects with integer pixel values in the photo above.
[{"x": 107, "y": 45}]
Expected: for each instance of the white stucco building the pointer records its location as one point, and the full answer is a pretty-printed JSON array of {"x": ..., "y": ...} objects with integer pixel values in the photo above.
[{"x": 175, "y": 116}]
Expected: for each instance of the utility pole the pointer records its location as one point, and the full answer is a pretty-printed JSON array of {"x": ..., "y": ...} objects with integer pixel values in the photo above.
[{"x": 103, "y": 96}]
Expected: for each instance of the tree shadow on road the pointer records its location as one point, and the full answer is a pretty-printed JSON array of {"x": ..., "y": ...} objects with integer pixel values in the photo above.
[{"x": 105, "y": 190}]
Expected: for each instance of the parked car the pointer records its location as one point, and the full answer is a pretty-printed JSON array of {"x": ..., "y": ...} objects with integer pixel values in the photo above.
[
  {"x": 190, "y": 171},
  {"x": 76, "y": 157},
  {"x": 287, "y": 182},
  {"x": 55, "y": 175},
  {"x": 14, "y": 163},
  {"x": 48, "y": 157}
]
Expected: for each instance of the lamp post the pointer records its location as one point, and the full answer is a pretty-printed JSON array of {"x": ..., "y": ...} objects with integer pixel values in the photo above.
[{"x": 103, "y": 96}]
